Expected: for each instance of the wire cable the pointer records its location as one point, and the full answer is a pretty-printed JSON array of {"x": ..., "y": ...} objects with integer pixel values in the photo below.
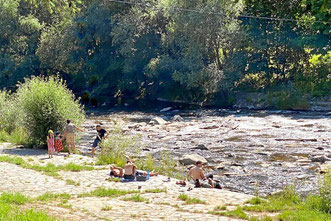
[{"x": 215, "y": 13}]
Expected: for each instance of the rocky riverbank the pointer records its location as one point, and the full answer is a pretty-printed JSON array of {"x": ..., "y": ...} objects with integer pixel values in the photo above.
[{"x": 249, "y": 151}]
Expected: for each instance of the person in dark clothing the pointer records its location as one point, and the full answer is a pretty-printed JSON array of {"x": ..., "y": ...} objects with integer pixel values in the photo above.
[{"x": 102, "y": 134}]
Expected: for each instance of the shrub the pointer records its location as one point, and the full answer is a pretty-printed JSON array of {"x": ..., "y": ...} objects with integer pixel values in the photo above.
[
  {"x": 287, "y": 100},
  {"x": 9, "y": 112},
  {"x": 115, "y": 148},
  {"x": 325, "y": 192},
  {"x": 3, "y": 100},
  {"x": 46, "y": 103}
]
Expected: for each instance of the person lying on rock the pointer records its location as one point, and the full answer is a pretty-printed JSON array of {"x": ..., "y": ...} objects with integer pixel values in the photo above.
[
  {"x": 216, "y": 183},
  {"x": 128, "y": 174},
  {"x": 116, "y": 171},
  {"x": 196, "y": 173}
]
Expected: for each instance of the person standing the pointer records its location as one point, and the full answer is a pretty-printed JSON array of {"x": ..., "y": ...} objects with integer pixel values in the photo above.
[
  {"x": 50, "y": 144},
  {"x": 102, "y": 133},
  {"x": 69, "y": 134}
]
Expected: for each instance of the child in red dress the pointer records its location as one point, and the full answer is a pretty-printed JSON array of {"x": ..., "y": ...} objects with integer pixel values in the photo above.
[{"x": 58, "y": 142}]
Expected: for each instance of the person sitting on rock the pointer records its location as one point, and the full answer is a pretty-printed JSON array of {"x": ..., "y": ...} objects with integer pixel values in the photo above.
[
  {"x": 130, "y": 170},
  {"x": 196, "y": 173}
]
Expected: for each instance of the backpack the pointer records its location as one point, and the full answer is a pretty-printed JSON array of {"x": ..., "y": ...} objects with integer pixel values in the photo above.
[{"x": 141, "y": 178}]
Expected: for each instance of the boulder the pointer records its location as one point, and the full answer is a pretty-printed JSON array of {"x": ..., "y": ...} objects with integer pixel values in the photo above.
[
  {"x": 189, "y": 159},
  {"x": 325, "y": 167},
  {"x": 319, "y": 159},
  {"x": 200, "y": 147},
  {"x": 158, "y": 120},
  {"x": 177, "y": 118}
]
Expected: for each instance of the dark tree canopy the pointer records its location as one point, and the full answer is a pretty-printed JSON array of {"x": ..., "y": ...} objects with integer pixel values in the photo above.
[{"x": 195, "y": 51}]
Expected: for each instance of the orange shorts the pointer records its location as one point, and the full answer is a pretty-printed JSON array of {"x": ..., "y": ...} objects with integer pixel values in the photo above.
[{"x": 70, "y": 138}]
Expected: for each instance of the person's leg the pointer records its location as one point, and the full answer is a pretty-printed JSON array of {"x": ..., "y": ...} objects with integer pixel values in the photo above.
[
  {"x": 73, "y": 144},
  {"x": 154, "y": 174},
  {"x": 206, "y": 184},
  {"x": 94, "y": 145},
  {"x": 211, "y": 182},
  {"x": 69, "y": 147}
]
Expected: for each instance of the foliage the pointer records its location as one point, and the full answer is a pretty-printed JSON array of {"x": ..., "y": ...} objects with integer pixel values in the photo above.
[
  {"x": 292, "y": 206},
  {"x": 17, "y": 136},
  {"x": 10, "y": 211},
  {"x": 189, "y": 200},
  {"x": 287, "y": 100},
  {"x": 46, "y": 103},
  {"x": 13, "y": 198},
  {"x": 49, "y": 169},
  {"x": 53, "y": 196},
  {"x": 193, "y": 51},
  {"x": 116, "y": 147},
  {"x": 136, "y": 198},
  {"x": 316, "y": 80},
  {"x": 103, "y": 192},
  {"x": 156, "y": 190}
]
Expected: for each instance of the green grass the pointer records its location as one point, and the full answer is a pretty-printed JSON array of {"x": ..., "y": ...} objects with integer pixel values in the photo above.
[
  {"x": 106, "y": 208},
  {"x": 255, "y": 201},
  {"x": 218, "y": 208},
  {"x": 49, "y": 169},
  {"x": 72, "y": 182},
  {"x": 136, "y": 198},
  {"x": 103, "y": 192},
  {"x": 237, "y": 213},
  {"x": 189, "y": 200},
  {"x": 9, "y": 210},
  {"x": 291, "y": 206},
  {"x": 14, "y": 198},
  {"x": 114, "y": 179},
  {"x": 75, "y": 167},
  {"x": 51, "y": 196},
  {"x": 156, "y": 190},
  {"x": 13, "y": 213},
  {"x": 65, "y": 205}
]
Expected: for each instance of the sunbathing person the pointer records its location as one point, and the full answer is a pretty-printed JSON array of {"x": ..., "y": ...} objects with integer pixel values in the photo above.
[
  {"x": 196, "y": 173},
  {"x": 116, "y": 171},
  {"x": 130, "y": 169}
]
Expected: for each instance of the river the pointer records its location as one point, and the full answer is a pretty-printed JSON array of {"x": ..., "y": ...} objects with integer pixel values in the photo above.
[{"x": 255, "y": 152}]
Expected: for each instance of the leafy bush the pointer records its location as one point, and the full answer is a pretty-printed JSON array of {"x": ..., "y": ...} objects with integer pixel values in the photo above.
[
  {"x": 116, "y": 146},
  {"x": 287, "y": 100},
  {"x": 9, "y": 112},
  {"x": 46, "y": 103},
  {"x": 325, "y": 192}
]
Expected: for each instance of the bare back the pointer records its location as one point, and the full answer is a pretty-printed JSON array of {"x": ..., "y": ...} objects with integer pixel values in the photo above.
[
  {"x": 196, "y": 173},
  {"x": 130, "y": 169}
]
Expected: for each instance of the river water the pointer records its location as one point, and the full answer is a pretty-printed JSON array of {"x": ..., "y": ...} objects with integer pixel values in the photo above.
[{"x": 248, "y": 151}]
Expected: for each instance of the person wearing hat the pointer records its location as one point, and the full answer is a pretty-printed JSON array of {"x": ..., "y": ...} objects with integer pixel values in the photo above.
[{"x": 50, "y": 143}]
